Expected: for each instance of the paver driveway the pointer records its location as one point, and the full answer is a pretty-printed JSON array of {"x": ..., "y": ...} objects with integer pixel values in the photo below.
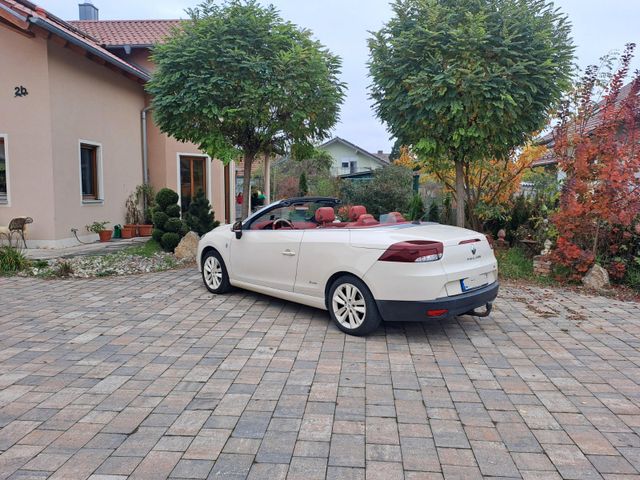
[{"x": 150, "y": 376}]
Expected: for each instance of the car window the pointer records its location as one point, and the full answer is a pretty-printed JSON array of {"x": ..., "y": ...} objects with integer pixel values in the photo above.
[{"x": 300, "y": 216}]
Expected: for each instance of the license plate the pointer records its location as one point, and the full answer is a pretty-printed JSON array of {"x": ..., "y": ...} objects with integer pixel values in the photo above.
[{"x": 473, "y": 282}]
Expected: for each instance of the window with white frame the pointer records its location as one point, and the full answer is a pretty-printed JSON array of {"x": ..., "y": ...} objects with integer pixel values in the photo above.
[
  {"x": 90, "y": 172},
  {"x": 4, "y": 187}
]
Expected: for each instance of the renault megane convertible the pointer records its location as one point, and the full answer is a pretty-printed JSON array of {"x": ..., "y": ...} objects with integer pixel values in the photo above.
[{"x": 362, "y": 270}]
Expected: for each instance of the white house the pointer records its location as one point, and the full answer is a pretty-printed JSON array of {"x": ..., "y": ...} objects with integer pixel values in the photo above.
[{"x": 350, "y": 159}]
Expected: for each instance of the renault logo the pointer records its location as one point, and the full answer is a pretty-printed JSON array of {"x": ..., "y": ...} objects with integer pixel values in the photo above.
[{"x": 473, "y": 250}]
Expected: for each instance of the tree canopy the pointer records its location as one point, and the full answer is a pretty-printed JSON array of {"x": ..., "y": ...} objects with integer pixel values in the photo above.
[
  {"x": 238, "y": 80},
  {"x": 468, "y": 80}
]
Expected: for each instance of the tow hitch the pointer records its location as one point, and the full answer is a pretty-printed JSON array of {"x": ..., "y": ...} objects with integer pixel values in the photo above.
[{"x": 486, "y": 313}]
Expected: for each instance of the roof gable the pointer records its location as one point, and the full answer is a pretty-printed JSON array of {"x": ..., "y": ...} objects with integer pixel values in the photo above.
[{"x": 358, "y": 149}]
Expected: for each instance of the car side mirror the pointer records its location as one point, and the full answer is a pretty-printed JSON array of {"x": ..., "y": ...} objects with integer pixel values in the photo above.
[{"x": 237, "y": 228}]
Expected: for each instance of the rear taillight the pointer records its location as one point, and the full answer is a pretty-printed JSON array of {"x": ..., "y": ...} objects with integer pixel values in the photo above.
[{"x": 417, "y": 251}]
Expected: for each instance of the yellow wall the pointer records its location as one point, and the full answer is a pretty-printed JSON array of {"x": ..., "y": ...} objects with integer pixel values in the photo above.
[
  {"x": 26, "y": 122},
  {"x": 92, "y": 103}
]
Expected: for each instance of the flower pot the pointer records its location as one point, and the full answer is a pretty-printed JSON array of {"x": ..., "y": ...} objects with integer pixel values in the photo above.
[
  {"x": 134, "y": 229},
  {"x": 145, "y": 230},
  {"x": 105, "y": 235},
  {"x": 128, "y": 232}
]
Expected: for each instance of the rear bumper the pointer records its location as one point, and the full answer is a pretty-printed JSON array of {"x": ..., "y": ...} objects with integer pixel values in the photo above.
[{"x": 402, "y": 311}]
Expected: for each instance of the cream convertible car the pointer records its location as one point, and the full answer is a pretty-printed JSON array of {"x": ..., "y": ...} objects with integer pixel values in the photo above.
[{"x": 362, "y": 271}]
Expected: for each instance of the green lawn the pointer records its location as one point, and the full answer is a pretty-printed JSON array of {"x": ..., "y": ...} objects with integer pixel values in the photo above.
[{"x": 148, "y": 249}]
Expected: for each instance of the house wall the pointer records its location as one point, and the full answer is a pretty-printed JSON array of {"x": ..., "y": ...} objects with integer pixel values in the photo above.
[
  {"x": 92, "y": 103},
  {"x": 164, "y": 152},
  {"x": 343, "y": 153},
  {"x": 26, "y": 121}
]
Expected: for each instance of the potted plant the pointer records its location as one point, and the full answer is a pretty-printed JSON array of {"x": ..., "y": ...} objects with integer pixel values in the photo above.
[
  {"x": 138, "y": 220},
  {"x": 99, "y": 228},
  {"x": 132, "y": 217},
  {"x": 145, "y": 196}
]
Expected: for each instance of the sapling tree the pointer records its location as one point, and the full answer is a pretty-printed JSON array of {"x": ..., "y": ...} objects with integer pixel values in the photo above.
[
  {"x": 239, "y": 81},
  {"x": 461, "y": 81}
]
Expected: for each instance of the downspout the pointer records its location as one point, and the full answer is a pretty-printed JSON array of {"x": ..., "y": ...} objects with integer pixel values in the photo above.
[
  {"x": 145, "y": 146},
  {"x": 145, "y": 154}
]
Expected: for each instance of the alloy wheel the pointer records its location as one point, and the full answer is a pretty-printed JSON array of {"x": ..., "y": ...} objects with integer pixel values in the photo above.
[
  {"x": 349, "y": 306},
  {"x": 213, "y": 272}
]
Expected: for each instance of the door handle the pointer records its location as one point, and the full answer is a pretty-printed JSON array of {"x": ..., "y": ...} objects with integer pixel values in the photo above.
[{"x": 289, "y": 253}]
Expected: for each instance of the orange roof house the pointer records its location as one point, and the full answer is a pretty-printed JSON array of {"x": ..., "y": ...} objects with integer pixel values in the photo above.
[{"x": 76, "y": 130}]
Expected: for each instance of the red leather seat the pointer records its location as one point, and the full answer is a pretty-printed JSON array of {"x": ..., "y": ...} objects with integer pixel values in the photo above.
[
  {"x": 355, "y": 212},
  {"x": 365, "y": 220},
  {"x": 394, "y": 217},
  {"x": 325, "y": 216}
]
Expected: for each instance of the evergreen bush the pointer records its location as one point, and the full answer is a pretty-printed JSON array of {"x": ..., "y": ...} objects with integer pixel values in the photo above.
[
  {"x": 168, "y": 227},
  {"x": 200, "y": 217}
]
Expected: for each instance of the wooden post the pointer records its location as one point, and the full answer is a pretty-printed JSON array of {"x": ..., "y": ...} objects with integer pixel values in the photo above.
[{"x": 267, "y": 179}]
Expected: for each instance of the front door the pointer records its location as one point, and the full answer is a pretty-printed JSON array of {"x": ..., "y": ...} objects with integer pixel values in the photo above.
[{"x": 193, "y": 177}]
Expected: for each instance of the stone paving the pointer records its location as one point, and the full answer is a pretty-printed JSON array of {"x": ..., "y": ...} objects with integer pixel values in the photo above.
[{"x": 152, "y": 377}]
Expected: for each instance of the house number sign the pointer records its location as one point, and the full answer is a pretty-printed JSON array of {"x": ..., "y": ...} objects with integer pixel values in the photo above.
[{"x": 20, "y": 91}]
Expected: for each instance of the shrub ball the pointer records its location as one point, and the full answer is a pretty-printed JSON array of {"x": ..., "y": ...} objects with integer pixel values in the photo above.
[
  {"x": 157, "y": 234},
  {"x": 173, "y": 225},
  {"x": 170, "y": 241},
  {"x": 159, "y": 219},
  {"x": 173, "y": 211},
  {"x": 166, "y": 197}
]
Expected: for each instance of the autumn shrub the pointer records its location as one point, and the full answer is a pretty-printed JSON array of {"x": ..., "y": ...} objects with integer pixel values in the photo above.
[{"x": 596, "y": 146}]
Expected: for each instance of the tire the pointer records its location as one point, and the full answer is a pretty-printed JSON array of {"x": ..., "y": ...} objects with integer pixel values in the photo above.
[
  {"x": 352, "y": 307},
  {"x": 214, "y": 273}
]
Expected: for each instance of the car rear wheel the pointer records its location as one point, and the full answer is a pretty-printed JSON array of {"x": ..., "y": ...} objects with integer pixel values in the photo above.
[
  {"x": 352, "y": 306},
  {"x": 214, "y": 273}
]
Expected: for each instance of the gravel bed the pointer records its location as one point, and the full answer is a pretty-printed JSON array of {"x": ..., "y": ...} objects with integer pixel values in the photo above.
[{"x": 114, "y": 264}]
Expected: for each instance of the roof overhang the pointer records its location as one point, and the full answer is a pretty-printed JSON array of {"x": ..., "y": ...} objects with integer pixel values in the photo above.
[
  {"x": 34, "y": 21},
  {"x": 90, "y": 49}
]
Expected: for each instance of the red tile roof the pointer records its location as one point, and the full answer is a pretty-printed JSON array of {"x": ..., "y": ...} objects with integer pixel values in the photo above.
[
  {"x": 30, "y": 16},
  {"x": 549, "y": 158},
  {"x": 136, "y": 33}
]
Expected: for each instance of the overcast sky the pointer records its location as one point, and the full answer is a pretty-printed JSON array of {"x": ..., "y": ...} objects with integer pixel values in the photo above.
[{"x": 342, "y": 25}]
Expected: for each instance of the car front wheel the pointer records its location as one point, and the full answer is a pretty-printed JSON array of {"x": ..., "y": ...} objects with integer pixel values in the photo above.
[
  {"x": 214, "y": 273},
  {"x": 352, "y": 306}
]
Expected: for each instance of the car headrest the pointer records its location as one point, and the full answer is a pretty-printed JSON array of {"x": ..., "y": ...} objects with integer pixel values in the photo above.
[
  {"x": 356, "y": 211},
  {"x": 395, "y": 217},
  {"x": 325, "y": 215},
  {"x": 366, "y": 219}
]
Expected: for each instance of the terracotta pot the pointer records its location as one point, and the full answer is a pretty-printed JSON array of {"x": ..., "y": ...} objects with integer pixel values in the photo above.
[
  {"x": 145, "y": 230},
  {"x": 105, "y": 235},
  {"x": 128, "y": 232},
  {"x": 133, "y": 228}
]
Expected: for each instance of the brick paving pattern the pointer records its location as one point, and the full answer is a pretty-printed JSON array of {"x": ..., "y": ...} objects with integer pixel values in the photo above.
[{"x": 152, "y": 377}]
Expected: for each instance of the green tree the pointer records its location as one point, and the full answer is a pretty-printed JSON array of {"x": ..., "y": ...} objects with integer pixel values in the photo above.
[
  {"x": 303, "y": 186},
  {"x": 200, "y": 217},
  {"x": 389, "y": 190},
  {"x": 238, "y": 80},
  {"x": 466, "y": 80}
]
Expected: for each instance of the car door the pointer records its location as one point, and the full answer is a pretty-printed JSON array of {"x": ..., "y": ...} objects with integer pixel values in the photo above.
[{"x": 266, "y": 257}]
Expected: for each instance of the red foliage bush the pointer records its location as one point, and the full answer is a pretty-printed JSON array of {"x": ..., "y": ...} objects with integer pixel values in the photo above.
[{"x": 596, "y": 144}]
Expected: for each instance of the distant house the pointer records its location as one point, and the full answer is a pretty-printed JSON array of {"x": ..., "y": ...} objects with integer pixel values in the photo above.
[
  {"x": 350, "y": 159},
  {"x": 549, "y": 160},
  {"x": 76, "y": 130}
]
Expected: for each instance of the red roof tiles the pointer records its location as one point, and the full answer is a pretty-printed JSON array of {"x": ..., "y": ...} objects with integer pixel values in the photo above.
[
  {"x": 31, "y": 16},
  {"x": 135, "y": 33}
]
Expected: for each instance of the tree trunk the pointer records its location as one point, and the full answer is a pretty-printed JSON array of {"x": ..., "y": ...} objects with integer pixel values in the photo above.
[
  {"x": 460, "y": 194},
  {"x": 246, "y": 185}
]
